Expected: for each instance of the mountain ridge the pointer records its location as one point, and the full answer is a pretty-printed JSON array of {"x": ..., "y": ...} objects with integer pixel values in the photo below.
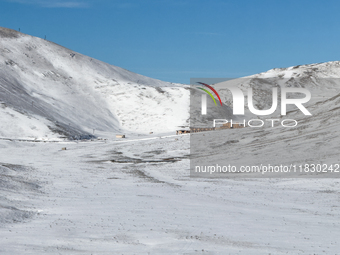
[{"x": 77, "y": 95}]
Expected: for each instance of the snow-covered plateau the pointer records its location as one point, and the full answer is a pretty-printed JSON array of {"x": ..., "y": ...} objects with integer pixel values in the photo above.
[{"x": 69, "y": 186}]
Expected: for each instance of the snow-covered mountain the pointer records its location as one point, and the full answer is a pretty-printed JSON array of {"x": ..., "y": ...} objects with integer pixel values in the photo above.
[
  {"x": 48, "y": 91},
  {"x": 322, "y": 80}
]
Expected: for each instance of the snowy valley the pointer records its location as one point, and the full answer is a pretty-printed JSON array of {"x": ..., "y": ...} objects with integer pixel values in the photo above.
[{"x": 103, "y": 195}]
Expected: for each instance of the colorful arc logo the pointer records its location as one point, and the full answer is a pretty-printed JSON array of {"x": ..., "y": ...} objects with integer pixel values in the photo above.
[{"x": 204, "y": 98}]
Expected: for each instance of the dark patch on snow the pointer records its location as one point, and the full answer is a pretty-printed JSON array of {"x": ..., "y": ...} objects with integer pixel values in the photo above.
[
  {"x": 8, "y": 33},
  {"x": 13, "y": 180},
  {"x": 145, "y": 176},
  {"x": 128, "y": 160}
]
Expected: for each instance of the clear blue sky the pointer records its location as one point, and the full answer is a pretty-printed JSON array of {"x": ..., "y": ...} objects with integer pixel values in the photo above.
[{"x": 175, "y": 40}]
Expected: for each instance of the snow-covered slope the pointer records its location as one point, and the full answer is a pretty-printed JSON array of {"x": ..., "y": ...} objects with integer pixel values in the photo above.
[
  {"x": 48, "y": 91},
  {"x": 322, "y": 80}
]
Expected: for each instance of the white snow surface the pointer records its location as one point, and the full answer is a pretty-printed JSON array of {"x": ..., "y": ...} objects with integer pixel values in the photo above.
[{"x": 136, "y": 197}]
